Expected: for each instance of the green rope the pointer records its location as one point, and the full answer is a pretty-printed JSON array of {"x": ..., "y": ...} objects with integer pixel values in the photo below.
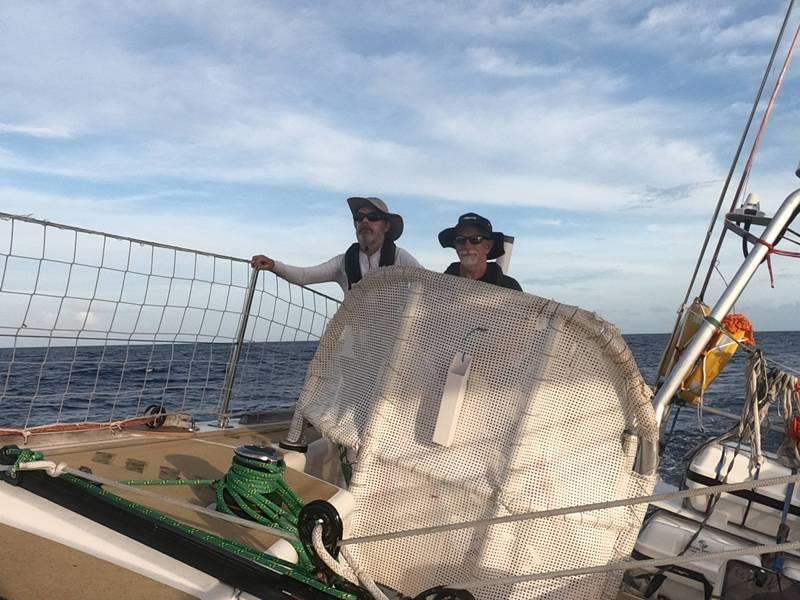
[
  {"x": 23, "y": 456},
  {"x": 260, "y": 491},
  {"x": 257, "y": 488},
  {"x": 167, "y": 482}
]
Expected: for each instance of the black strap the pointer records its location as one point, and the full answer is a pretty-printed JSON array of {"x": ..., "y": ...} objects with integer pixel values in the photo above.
[
  {"x": 388, "y": 254},
  {"x": 453, "y": 269},
  {"x": 750, "y": 499},
  {"x": 492, "y": 275},
  {"x": 352, "y": 265},
  {"x": 783, "y": 529}
]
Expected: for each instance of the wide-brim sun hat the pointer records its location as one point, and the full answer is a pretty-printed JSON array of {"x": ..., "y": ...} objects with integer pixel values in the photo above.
[
  {"x": 396, "y": 221},
  {"x": 447, "y": 236}
]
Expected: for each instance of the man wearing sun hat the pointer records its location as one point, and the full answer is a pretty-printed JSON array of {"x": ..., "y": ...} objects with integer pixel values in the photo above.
[
  {"x": 377, "y": 229},
  {"x": 476, "y": 244}
]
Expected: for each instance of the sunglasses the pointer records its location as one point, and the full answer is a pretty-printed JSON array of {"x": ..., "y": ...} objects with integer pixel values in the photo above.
[
  {"x": 372, "y": 217},
  {"x": 460, "y": 240}
]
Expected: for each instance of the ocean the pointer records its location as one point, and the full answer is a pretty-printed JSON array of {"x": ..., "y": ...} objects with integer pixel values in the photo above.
[{"x": 91, "y": 383}]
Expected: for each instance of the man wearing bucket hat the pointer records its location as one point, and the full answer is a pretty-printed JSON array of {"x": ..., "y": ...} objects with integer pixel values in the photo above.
[
  {"x": 476, "y": 244},
  {"x": 376, "y": 230}
]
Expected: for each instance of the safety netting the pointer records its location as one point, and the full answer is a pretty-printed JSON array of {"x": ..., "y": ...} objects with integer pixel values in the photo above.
[{"x": 552, "y": 413}]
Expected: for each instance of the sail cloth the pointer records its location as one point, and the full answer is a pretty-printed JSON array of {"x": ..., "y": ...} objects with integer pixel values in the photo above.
[{"x": 551, "y": 391}]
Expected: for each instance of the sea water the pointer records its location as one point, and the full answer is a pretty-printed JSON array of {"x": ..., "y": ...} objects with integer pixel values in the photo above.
[{"x": 92, "y": 383}]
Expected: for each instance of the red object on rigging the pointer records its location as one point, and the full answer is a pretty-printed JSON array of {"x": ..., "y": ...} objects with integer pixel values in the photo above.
[{"x": 794, "y": 429}]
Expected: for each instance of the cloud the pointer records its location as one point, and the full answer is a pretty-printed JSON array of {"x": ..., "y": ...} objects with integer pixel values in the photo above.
[
  {"x": 654, "y": 195},
  {"x": 542, "y": 222},
  {"x": 567, "y": 279},
  {"x": 222, "y": 231},
  {"x": 504, "y": 64},
  {"x": 185, "y": 119},
  {"x": 259, "y": 96},
  {"x": 35, "y": 131},
  {"x": 682, "y": 16}
]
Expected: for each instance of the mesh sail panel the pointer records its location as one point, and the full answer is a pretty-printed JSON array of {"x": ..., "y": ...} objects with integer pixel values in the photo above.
[{"x": 551, "y": 392}]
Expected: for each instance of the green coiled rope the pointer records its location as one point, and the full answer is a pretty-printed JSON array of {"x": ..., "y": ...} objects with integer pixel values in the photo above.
[{"x": 258, "y": 489}]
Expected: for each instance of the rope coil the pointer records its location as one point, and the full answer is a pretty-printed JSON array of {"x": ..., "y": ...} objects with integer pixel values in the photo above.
[{"x": 257, "y": 490}]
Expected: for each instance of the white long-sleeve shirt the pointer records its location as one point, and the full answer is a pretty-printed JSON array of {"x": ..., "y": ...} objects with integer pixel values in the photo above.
[{"x": 333, "y": 269}]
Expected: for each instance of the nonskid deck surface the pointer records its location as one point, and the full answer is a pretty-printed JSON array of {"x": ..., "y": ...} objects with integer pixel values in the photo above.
[
  {"x": 34, "y": 568},
  {"x": 141, "y": 455},
  {"x": 165, "y": 456}
]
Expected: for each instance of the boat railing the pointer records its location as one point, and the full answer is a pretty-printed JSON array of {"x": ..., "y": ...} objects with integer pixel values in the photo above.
[
  {"x": 96, "y": 327},
  {"x": 774, "y": 230}
]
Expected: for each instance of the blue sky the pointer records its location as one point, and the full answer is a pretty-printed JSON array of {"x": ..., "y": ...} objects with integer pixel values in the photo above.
[{"x": 597, "y": 133}]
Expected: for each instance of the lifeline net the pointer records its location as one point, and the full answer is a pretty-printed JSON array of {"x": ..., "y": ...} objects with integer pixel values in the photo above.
[
  {"x": 552, "y": 390},
  {"x": 94, "y": 327}
]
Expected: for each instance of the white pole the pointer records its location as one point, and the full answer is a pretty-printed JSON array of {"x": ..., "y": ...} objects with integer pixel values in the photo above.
[{"x": 685, "y": 364}]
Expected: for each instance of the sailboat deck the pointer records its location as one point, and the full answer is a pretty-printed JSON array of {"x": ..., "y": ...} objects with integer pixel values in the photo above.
[
  {"x": 57, "y": 572},
  {"x": 172, "y": 456},
  {"x": 141, "y": 454},
  {"x": 160, "y": 454}
]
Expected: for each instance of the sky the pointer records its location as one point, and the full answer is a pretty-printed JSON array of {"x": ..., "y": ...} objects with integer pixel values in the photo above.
[{"x": 597, "y": 133}]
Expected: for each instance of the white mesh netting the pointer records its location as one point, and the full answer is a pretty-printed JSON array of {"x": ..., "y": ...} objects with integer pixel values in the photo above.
[{"x": 551, "y": 392}]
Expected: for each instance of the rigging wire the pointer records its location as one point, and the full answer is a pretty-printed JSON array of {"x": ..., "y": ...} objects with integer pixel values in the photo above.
[
  {"x": 725, "y": 186},
  {"x": 739, "y": 149},
  {"x": 724, "y": 280},
  {"x": 756, "y": 144}
]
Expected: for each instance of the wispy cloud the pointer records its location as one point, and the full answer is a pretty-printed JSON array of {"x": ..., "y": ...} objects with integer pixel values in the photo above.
[
  {"x": 567, "y": 279},
  {"x": 654, "y": 195},
  {"x": 493, "y": 61},
  {"x": 542, "y": 222},
  {"x": 554, "y": 116},
  {"x": 35, "y": 131}
]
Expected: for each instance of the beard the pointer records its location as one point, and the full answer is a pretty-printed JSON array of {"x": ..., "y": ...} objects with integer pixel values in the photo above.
[
  {"x": 469, "y": 260},
  {"x": 365, "y": 237}
]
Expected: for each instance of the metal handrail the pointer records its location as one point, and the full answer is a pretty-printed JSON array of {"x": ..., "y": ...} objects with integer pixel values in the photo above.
[
  {"x": 295, "y": 310},
  {"x": 782, "y": 219},
  {"x": 223, "y": 416}
]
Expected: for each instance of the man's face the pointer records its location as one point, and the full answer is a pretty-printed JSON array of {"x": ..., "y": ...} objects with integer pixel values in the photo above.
[
  {"x": 370, "y": 233},
  {"x": 472, "y": 254}
]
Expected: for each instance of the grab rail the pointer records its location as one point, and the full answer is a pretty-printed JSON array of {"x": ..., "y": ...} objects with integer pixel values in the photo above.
[{"x": 782, "y": 219}]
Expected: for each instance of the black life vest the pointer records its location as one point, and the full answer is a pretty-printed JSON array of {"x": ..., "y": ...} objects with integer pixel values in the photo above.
[
  {"x": 352, "y": 265},
  {"x": 493, "y": 272}
]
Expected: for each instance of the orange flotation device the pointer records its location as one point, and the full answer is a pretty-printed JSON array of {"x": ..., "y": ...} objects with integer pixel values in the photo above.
[{"x": 737, "y": 329}]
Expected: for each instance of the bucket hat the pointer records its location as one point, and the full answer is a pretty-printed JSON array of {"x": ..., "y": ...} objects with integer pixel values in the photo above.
[
  {"x": 447, "y": 236},
  {"x": 395, "y": 220}
]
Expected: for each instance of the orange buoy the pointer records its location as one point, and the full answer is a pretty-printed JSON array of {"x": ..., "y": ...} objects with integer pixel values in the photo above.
[{"x": 737, "y": 329}]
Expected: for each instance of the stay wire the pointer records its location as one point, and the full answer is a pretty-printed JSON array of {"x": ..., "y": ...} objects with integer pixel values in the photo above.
[
  {"x": 737, "y": 155},
  {"x": 757, "y": 142}
]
